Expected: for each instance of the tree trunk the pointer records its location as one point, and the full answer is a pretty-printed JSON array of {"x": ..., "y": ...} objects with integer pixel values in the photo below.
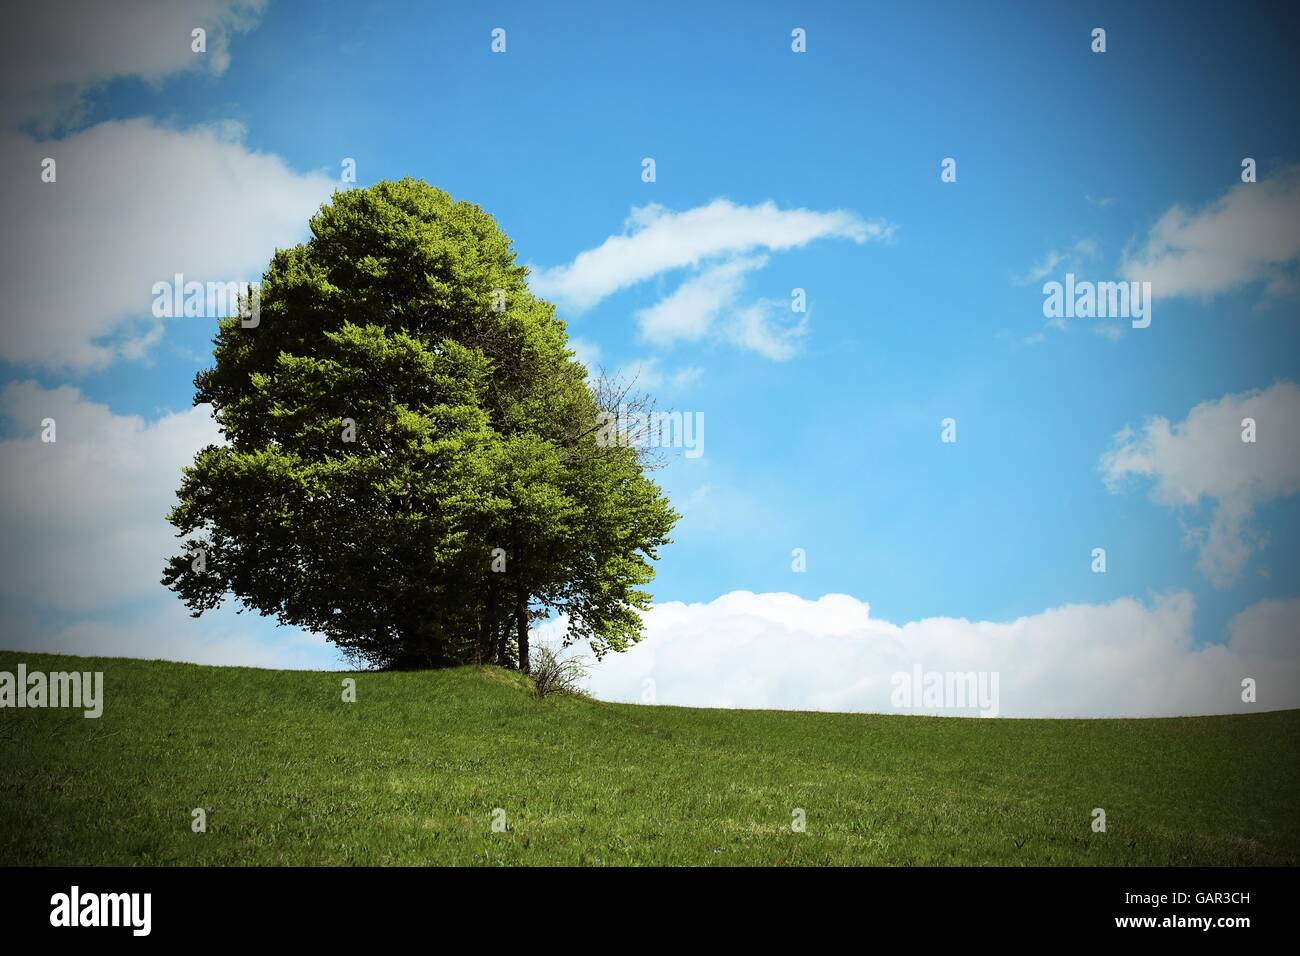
[
  {"x": 488, "y": 630},
  {"x": 521, "y": 629}
]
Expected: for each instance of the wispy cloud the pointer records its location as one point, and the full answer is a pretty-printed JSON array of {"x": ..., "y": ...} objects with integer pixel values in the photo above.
[
  {"x": 769, "y": 328},
  {"x": 657, "y": 240},
  {"x": 725, "y": 244},
  {"x": 651, "y": 373},
  {"x": 689, "y": 312},
  {"x": 1055, "y": 259}
]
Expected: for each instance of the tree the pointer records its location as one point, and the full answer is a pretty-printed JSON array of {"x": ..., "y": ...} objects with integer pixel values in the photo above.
[{"x": 411, "y": 464}]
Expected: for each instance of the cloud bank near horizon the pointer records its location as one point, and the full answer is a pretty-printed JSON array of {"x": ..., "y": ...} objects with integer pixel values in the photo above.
[{"x": 1121, "y": 659}]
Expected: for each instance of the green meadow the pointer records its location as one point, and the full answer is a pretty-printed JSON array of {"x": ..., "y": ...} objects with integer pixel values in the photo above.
[{"x": 416, "y": 770}]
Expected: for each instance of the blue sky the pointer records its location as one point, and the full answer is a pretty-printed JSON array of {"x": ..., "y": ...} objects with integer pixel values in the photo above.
[{"x": 1062, "y": 154}]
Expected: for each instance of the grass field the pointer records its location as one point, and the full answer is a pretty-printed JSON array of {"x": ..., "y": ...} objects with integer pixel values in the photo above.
[{"x": 412, "y": 771}]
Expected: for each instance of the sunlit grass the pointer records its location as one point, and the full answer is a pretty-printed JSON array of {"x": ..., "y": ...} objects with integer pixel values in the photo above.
[{"x": 412, "y": 772}]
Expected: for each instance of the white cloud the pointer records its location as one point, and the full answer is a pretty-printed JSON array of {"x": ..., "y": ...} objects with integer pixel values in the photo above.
[
  {"x": 52, "y": 51},
  {"x": 83, "y": 518},
  {"x": 83, "y": 521},
  {"x": 658, "y": 240},
  {"x": 134, "y": 203},
  {"x": 1249, "y": 234},
  {"x": 765, "y": 327},
  {"x": 695, "y": 310},
  {"x": 724, "y": 243},
  {"x": 84, "y": 530},
  {"x": 1204, "y": 456},
  {"x": 690, "y": 311},
  {"x": 1123, "y": 659}
]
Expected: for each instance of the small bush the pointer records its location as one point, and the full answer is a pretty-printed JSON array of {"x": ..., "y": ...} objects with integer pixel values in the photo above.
[{"x": 553, "y": 674}]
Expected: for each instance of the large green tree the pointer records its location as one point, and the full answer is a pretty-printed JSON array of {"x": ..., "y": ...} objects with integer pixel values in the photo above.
[{"x": 412, "y": 464}]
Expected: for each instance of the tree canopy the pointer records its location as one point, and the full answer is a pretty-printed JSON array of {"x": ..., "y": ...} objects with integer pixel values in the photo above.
[{"x": 411, "y": 462}]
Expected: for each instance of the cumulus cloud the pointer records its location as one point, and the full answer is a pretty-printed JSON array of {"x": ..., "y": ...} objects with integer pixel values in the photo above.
[
  {"x": 1123, "y": 659},
  {"x": 53, "y": 51},
  {"x": 1204, "y": 457},
  {"x": 83, "y": 521},
  {"x": 1251, "y": 233},
  {"x": 134, "y": 203},
  {"x": 83, "y": 518},
  {"x": 657, "y": 240}
]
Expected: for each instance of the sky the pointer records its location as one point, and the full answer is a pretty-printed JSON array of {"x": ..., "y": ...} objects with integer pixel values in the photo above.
[{"x": 920, "y": 171}]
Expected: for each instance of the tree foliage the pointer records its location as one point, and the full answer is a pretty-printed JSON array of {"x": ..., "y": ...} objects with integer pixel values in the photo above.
[{"x": 411, "y": 464}]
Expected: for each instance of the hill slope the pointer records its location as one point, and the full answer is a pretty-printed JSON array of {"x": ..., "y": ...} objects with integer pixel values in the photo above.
[{"x": 412, "y": 772}]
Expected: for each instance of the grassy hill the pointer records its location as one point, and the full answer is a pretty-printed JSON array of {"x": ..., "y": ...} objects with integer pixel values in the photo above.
[{"x": 411, "y": 774}]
